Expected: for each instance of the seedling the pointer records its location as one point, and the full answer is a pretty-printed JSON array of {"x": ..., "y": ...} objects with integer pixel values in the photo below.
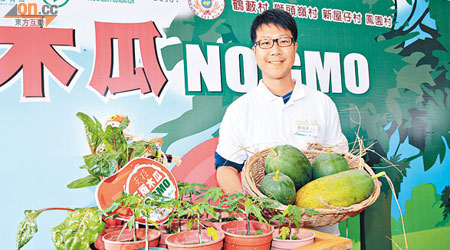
[
  {"x": 293, "y": 215},
  {"x": 139, "y": 207},
  {"x": 250, "y": 205}
]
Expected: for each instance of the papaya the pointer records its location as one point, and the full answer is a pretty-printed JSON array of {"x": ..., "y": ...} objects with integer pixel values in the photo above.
[
  {"x": 328, "y": 163},
  {"x": 291, "y": 162},
  {"x": 280, "y": 187},
  {"x": 337, "y": 190}
]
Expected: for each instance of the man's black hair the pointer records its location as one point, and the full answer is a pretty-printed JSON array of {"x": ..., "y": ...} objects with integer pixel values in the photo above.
[{"x": 275, "y": 16}]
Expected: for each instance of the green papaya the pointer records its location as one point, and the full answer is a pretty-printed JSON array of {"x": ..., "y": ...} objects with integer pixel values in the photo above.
[
  {"x": 291, "y": 162},
  {"x": 328, "y": 163},
  {"x": 280, "y": 187},
  {"x": 338, "y": 190}
]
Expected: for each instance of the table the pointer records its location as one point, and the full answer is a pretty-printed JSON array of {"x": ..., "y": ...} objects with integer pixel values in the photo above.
[{"x": 324, "y": 241}]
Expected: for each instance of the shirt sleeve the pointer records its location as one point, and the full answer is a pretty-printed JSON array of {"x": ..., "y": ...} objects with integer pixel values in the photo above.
[
  {"x": 220, "y": 161},
  {"x": 231, "y": 136},
  {"x": 334, "y": 131}
]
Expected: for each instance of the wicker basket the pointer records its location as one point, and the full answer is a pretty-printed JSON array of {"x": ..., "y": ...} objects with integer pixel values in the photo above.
[{"x": 254, "y": 171}]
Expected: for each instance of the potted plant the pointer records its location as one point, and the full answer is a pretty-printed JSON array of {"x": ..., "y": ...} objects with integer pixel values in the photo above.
[
  {"x": 248, "y": 234},
  {"x": 131, "y": 236},
  {"x": 79, "y": 230},
  {"x": 216, "y": 197},
  {"x": 110, "y": 150},
  {"x": 208, "y": 238},
  {"x": 199, "y": 238},
  {"x": 288, "y": 236},
  {"x": 178, "y": 219},
  {"x": 190, "y": 191},
  {"x": 174, "y": 223}
]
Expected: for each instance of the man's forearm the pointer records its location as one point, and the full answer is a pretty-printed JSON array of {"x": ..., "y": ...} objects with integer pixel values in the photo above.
[{"x": 228, "y": 179}]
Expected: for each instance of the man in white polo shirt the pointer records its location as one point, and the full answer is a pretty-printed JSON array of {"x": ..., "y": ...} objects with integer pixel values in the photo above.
[{"x": 279, "y": 111}]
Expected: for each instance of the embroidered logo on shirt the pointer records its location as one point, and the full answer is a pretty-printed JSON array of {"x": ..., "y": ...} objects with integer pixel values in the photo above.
[{"x": 307, "y": 128}]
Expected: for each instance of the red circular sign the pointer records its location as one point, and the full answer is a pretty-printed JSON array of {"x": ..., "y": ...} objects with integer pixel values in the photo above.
[{"x": 140, "y": 176}]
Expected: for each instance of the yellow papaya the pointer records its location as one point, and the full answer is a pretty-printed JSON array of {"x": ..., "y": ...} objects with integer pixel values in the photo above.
[{"x": 337, "y": 190}]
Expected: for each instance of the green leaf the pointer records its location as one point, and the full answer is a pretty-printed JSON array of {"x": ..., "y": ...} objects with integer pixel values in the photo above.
[
  {"x": 103, "y": 164},
  {"x": 80, "y": 229},
  {"x": 259, "y": 232},
  {"x": 27, "y": 228},
  {"x": 190, "y": 224},
  {"x": 137, "y": 149},
  {"x": 437, "y": 121},
  {"x": 374, "y": 128},
  {"x": 124, "y": 124},
  {"x": 213, "y": 233},
  {"x": 87, "y": 181},
  {"x": 284, "y": 232},
  {"x": 279, "y": 217},
  {"x": 412, "y": 76},
  {"x": 114, "y": 139},
  {"x": 189, "y": 189},
  {"x": 212, "y": 194},
  {"x": 445, "y": 198},
  {"x": 94, "y": 131}
]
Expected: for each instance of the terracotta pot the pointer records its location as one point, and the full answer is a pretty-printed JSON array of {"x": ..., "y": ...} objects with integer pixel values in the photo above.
[
  {"x": 110, "y": 225},
  {"x": 99, "y": 243},
  {"x": 162, "y": 239},
  {"x": 184, "y": 225},
  {"x": 126, "y": 239},
  {"x": 174, "y": 227},
  {"x": 236, "y": 236},
  {"x": 189, "y": 240},
  {"x": 305, "y": 237}
]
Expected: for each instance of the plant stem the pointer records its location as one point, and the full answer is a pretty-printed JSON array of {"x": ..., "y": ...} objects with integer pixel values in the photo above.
[
  {"x": 290, "y": 230},
  {"x": 273, "y": 151},
  {"x": 135, "y": 231},
  {"x": 378, "y": 175},
  {"x": 277, "y": 174},
  {"x": 248, "y": 226},
  {"x": 199, "y": 230},
  {"x": 146, "y": 234},
  {"x": 58, "y": 208},
  {"x": 121, "y": 231}
]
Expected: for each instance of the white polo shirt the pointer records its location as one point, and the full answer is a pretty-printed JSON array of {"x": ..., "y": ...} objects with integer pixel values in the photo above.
[{"x": 260, "y": 119}]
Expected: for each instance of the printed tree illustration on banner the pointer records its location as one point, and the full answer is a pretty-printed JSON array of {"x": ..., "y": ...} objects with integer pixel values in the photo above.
[
  {"x": 417, "y": 103},
  {"x": 412, "y": 77},
  {"x": 420, "y": 99}
]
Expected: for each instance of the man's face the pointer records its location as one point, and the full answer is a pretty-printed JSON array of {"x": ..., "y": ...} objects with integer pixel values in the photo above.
[{"x": 276, "y": 62}]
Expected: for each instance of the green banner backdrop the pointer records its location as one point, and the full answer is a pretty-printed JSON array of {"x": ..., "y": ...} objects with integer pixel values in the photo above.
[{"x": 174, "y": 66}]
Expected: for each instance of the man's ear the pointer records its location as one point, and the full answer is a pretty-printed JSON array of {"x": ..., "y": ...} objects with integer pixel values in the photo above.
[{"x": 254, "y": 49}]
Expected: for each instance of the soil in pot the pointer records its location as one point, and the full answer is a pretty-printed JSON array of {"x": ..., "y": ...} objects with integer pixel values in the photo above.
[
  {"x": 126, "y": 239},
  {"x": 304, "y": 237},
  {"x": 236, "y": 236},
  {"x": 189, "y": 240}
]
